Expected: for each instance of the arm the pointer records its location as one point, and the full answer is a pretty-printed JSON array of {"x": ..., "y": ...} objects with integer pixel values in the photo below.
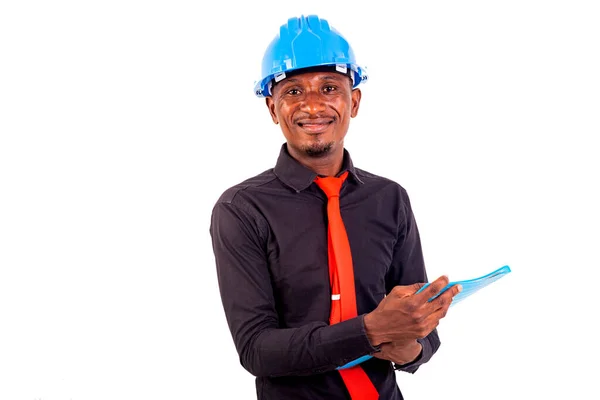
[
  {"x": 239, "y": 242},
  {"x": 408, "y": 267}
]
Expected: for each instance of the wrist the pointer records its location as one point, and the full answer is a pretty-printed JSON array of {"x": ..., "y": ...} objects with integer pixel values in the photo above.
[
  {"x": 414, "y": 354},
  {"x": 418, "y": 349},
  {"x": 370, "y": 324}
]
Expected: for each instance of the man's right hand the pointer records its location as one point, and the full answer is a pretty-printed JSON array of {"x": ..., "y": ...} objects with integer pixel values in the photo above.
[{"x": 404, "y": 316}]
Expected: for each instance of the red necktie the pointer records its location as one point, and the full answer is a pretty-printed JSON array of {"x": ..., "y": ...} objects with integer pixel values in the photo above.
[{"x": 341, "y": 278}]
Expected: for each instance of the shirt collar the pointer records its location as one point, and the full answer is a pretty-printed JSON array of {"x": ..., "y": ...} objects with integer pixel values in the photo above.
[{"x": 299, "y": 177}]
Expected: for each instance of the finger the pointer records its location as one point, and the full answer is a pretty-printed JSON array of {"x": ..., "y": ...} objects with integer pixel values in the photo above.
[
  {"x": 406, "y": 290},
  {"x": 432, "y": 321},
  {"x": 448, "y": 294},
  {"x": 433, "y": 289},
  {"x": 435, "y": 317},
  {"x": 444, "y": 300}
]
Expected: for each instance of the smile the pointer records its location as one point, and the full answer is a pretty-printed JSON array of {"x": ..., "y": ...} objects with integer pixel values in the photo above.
[{"x": 315, "y": 126}]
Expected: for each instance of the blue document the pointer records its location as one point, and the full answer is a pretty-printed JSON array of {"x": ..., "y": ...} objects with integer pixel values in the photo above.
[{"x": 469, "y": 287}]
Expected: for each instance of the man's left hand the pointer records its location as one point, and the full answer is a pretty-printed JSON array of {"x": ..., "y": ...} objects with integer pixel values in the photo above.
[{"x": 399, "y": 353}]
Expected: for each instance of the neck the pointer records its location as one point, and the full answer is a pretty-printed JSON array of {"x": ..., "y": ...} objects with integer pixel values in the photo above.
[{"x": 328, "y": 165}]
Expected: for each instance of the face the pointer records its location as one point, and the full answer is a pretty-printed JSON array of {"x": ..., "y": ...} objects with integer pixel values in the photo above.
[{"x": 314, "y": 111}]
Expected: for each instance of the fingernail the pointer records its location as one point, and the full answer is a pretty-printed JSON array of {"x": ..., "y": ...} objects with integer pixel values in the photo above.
[{"x": 459, "y": 288}]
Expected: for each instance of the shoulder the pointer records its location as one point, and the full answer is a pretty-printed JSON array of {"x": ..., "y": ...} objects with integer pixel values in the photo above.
[
  {"x": 237, "y": 193},
  {"x": 389, "y": 191},
  {"x": 236, "y": 208},
  {"x": 379, "y": 182}
]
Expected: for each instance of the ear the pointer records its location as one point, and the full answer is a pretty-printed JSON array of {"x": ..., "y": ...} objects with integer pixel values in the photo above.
[
  {"x": 271, "y": 106},
  {"x": 356, "y": 96}
]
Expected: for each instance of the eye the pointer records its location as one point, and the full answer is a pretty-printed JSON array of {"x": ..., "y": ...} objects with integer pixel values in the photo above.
[
  {"x": 293, "y": 92},
  {"x": 329, "y": 89}
]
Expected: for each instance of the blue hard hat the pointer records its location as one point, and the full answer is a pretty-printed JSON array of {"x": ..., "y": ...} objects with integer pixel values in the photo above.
[{"x": 303, "y": 43}]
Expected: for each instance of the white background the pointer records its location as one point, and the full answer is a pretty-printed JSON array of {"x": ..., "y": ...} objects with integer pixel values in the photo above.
[{"x": 121, "y": 122}]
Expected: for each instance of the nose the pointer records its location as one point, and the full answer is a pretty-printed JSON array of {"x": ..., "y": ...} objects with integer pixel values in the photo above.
[{"x": 313, "y": 102}]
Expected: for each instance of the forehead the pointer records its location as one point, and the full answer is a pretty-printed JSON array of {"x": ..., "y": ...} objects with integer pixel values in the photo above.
[{"x": 314, "y": 77}]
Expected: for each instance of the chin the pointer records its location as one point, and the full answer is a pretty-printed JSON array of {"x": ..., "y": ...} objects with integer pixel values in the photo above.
[{"x": 317, "y": 150}]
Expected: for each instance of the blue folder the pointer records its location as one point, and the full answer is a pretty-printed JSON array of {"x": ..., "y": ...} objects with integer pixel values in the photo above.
[{"x": 469, "y": 286}]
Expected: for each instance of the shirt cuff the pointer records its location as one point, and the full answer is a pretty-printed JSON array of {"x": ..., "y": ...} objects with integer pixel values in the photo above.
[{"x": 346, "y": 341}]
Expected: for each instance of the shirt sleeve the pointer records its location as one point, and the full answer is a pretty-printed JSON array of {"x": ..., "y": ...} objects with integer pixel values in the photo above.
[
  {"x": 265, "y": 349},
  {"x": 408, "y": 267}
]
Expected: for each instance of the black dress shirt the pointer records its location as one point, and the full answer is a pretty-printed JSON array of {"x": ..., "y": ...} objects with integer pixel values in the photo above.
[{"x": 269, "y": 237}]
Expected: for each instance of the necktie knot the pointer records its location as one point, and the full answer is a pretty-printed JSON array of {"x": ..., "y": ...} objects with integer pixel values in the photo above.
[{"x": 331, "y": 185}]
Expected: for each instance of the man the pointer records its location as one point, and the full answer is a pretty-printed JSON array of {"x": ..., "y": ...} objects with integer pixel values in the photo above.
[{"x": 304, "y": 291}]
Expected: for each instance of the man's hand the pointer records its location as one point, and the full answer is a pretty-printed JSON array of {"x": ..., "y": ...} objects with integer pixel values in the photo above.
[
  {"x": 403, "y": 316},
  {"x": 399, "y": 353}
]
